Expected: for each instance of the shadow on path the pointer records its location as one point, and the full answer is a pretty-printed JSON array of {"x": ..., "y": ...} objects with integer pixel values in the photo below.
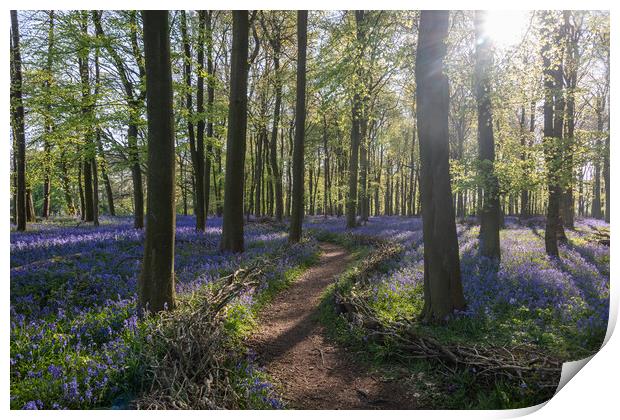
[{"x": 312, "y": 372}]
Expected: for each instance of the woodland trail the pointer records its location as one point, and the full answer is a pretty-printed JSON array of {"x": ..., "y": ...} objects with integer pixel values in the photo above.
[{"x": 311, "y": 371}]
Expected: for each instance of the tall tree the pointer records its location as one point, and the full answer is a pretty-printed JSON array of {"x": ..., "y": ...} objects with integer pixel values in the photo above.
[
  {"x": 275, "y": 40},
  {"x": 195, "y": 134},
  {"x": 490, "y": 212},
  {"x": 134, "y": 102},
  {"x": 553, "y": 104},
  {"x": 596, "y": 185},
  {"x": 443, "y": 291},
  {"x": 17, "y": 111},
  {"x": 87, "y": 106},
  {"x": 300, "y": 129},
  {"x": 356, "y": 122},
  {"x": 49, "y": 125},
  {"x": 572, "y": 25},
  {"x": 525, "y": 193},
  {"x": 232, "y": 225},
  {"x": 606, "y": 173},
  {"x": 156, "y": 283},
  {"x": 208, "y": 28}
]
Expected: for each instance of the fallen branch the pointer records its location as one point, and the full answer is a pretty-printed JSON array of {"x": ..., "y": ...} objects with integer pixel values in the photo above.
[
  {"x": 488, "y": 363},
  {"x": 188, "y": 353}
]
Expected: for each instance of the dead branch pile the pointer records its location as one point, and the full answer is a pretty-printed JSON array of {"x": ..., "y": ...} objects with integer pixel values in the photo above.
[
  {"x": 600, "y": 235},
  {"x": 488, "y": 363},
  {"x": 189, "y": 357}
]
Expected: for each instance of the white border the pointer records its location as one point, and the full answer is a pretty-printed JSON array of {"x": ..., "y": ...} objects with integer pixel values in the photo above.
[{"x": 592, "y": 394}]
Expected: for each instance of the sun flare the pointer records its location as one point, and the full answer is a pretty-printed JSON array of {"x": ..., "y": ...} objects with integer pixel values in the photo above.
[{"x": 506, "y": 27}]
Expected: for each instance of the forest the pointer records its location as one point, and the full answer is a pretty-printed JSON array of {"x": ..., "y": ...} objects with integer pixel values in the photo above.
[{"x": 334, "y": 209}]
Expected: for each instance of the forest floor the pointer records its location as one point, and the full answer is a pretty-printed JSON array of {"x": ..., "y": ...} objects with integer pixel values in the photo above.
[{"x": 311, "y": 371}]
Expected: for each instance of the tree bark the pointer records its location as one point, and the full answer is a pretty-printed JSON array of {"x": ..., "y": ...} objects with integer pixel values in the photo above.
[
  {"x": 232, "y": 225},
  {"x": 201, "y": 212},
  {"x": 443, "y": 291},
  {"x": 572, "y": 64},
  {"x": 87, "y": 115},
  {"x": 49, "y": 126},
  {"x": 81, "y": 191},
  {"x": 156, "y": 282},
  {"x": 30, "y": 213},
  {"x": 551, "y": 140},
  {"x": 17, "y": 108},
  {"x": 326, "y": 178},
  {"x": 356, "y": 116},
  {"x": 194, "y": 132},
  {"x": 210, "y": 100},
  {"x": 276, "y": 45},
  {"x": 297, "y": 211},
  {"x": 363, "y": 167},
  {"x": 490, "y": 212}
]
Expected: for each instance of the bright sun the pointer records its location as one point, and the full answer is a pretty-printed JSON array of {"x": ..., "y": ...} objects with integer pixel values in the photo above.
[{"x": 506, "y": 27}]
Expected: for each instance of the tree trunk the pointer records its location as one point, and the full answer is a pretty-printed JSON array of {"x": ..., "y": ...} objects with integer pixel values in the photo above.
[
  {"x": 14, "y": 181},
  {"x": 572, "y": 54},
  {"x": 356, "y": 116},
  {"x": 136, "y": 176},
  {"x": 201, "y": 215},
  {"x": 66, "y": 187},
  {"x": 363, "y": 168},
  {"x": 133, "y": 103},
  {"x": 326, "y": 183},
  {"x": 289, "y": 168},
  {"x": 87, "y": 120},
  {"x": 210, "y": 116},
  {"x": 524, "y": 211},
  {"x": 232, "y": 225},
  {"x": 275, "y": 172},
  {"x": 30, "y": 213},
  {"x": 17, "y": 108},
  {"x": 95, "y": 176},
  {"x": 81, "y": 191},
  {"x": 489, "y": 216},
  {"x": 551, "y": 141},
  {"x": 443, "y": 291},
  {"x": 217, "y": 183},
  {"x": 197, "y": 156},
  {"x": 156, "y": 281},
  {"x": 606, "y": 176},
  {"x": 49, "y": 125},
  {"x": 104, "y": 175},
  {"x": 297, "y": 210}
]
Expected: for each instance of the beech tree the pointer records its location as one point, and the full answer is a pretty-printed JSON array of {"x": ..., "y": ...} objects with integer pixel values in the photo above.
[
  {"x": 300, "y": 129},
  {"x": 553, "y": 126},
  {"x": 356, "y": 124},
  {"x": 232, "y": 225},
  {"x": 86, "y": 125},
  {"x": 156, "y": 283},
  {"x": 490, "y": 212},
  {"x": 17, "y": 108},
  {"x": 135, "y": 100},
  {"x": 443, "y": 291}
]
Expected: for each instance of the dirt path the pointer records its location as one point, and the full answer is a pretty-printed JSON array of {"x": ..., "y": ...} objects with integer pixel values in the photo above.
[{"x": 311, "y": 371}]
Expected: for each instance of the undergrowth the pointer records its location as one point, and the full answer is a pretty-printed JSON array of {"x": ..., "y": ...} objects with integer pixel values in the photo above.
[
  {"x": 432, "y": 387},
  {"x": 211, "y": 367}
]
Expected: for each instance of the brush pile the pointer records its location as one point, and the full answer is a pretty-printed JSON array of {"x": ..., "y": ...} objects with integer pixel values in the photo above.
[
  {"x": 524, "y": 364},
  {"x": 189, "y": 356}
]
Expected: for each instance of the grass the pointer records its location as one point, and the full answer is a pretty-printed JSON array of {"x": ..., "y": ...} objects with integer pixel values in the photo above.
[{"x": 242, "y": 320}]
